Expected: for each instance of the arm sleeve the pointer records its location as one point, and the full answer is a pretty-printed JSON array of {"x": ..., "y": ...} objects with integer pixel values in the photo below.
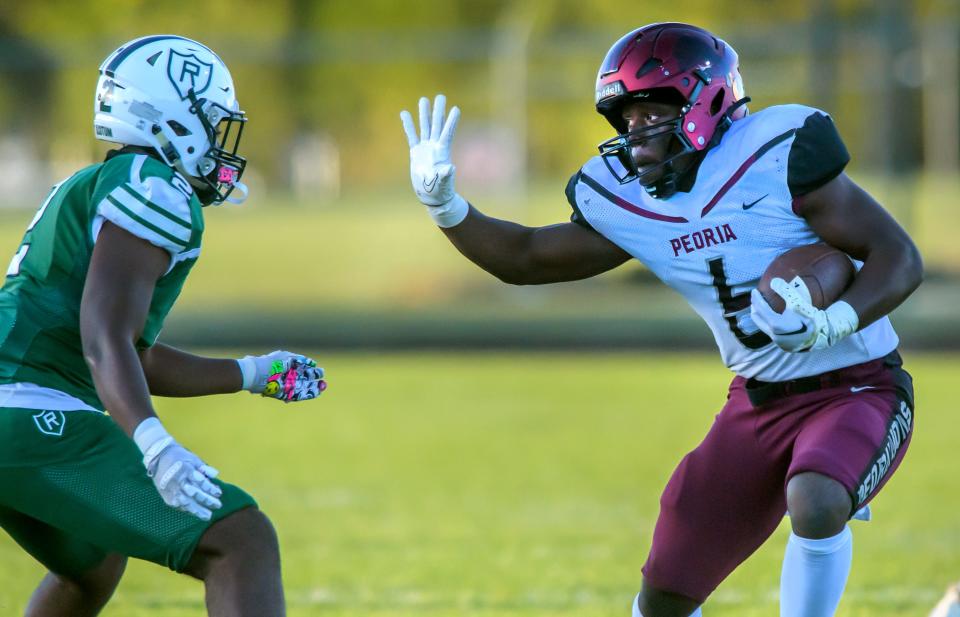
[
  {"x": 571, "y": 191},
  {"x": 817, "y": 155},
  {"x": 153, "y": 210}
]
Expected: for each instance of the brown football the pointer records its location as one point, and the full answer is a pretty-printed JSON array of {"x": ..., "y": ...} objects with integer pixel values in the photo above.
[{"x": 826, "y": 271}]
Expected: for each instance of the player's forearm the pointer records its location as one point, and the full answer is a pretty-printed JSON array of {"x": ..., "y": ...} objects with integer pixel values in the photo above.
[
  {"x": 499, "y": 247},
  {"x": 172, "y": 372},
  {"x": 889, "y": 275},
  {"x": 502, "y": 248},
  {"x": 513, "y": 253},
  {"x": 119, "y": 380}
]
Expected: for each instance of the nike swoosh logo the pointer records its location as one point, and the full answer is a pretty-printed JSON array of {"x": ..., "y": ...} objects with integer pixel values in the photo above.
[
  {"x": 429, "y": 185},
  {"x": 800, "y": 331},
  {"x": 862, "y": 388},
  {"x": 747, "y": 206}
]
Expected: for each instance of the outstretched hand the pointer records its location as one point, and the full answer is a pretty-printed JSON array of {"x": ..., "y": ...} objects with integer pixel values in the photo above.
[{"x": 431, "y": 171}]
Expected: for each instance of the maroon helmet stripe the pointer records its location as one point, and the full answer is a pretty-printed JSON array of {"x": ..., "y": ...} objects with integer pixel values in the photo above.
[
  {"x": 743, "y": 169},
  {"x": 626, "y": 205}
]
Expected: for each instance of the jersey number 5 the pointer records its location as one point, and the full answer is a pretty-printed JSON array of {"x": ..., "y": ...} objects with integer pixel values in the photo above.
[
  {"x": 14, "y": 268},
  {"x": 733, "y": 306}
]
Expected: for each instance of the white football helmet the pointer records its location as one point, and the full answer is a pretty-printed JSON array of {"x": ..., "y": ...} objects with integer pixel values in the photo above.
[{"x": 176, "y": 96}]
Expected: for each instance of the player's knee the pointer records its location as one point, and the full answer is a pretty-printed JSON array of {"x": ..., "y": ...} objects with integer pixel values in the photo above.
[
  {"x": 244, "y": 535},
  {"x": 819, "y": 506},
  {"x": 260, "y": 535},
  {"x": 97, "y": 584}
]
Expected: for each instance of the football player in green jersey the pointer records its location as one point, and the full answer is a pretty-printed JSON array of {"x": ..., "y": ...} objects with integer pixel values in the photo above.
[{"x": 85, "y": 298}]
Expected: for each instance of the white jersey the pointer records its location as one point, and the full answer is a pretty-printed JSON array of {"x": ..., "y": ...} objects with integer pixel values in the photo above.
[{"x": 713, "y": 243}]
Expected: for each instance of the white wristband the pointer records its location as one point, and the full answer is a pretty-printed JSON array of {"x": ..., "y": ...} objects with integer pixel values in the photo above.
[
  {"x": 151, "y": 438},
  {"x": 451, "y": 213},
  {"x": 843, "y": 320},
  {"x": 248, "y": 370}
]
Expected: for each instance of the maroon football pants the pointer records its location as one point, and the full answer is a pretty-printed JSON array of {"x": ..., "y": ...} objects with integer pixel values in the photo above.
[{"x": 728, "y": 495}]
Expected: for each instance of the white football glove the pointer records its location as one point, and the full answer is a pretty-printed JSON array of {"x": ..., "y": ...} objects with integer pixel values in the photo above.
[
  {"x": 181, "y": 478},
  {"x": 431, "y": 171},
  {"x": 801, "y": 326},
  {"x": 282, "y": 375}
]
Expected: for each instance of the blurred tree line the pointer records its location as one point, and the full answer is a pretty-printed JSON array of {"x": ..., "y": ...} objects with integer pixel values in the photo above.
[{"x": 523, "y": 72}]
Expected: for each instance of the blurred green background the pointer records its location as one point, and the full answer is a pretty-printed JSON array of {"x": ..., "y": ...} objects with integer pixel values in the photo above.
[{"x": 433, "y": 479}]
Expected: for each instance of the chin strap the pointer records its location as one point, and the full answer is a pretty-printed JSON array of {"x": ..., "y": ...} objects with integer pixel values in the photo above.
[
  {"x": 242, "y": 189},
  {"x": 167, "y": 149},
  {"x": 666, "y": 185}
]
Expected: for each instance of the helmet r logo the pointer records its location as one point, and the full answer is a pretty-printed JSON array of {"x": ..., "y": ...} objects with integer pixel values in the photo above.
[{"x": 188, "y": 72}]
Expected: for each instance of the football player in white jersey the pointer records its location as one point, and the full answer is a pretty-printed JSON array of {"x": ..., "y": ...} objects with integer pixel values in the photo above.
[{"x": 706, "y": 196}]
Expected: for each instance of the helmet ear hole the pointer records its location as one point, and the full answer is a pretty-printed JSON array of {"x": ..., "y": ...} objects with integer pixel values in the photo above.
[
  {"x": 717, "y": 104},
  {"x": 179, "y": 129}
]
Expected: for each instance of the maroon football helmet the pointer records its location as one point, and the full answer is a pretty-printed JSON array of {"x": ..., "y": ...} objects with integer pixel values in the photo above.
[{"x": 670, "y": 62}]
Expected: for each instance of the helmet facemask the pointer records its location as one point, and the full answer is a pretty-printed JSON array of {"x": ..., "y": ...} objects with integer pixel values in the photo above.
[
  {"x": 220, "y": 168},
  {"x": 617, "y": 155}
]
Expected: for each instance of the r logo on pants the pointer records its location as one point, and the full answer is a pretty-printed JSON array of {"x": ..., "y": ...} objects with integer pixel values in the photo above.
[{"x": 50, "y": 422}]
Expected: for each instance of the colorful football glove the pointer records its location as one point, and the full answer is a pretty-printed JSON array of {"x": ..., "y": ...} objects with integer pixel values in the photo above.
[
  {"x": 282, "y": 375},
  {"x": 431, "y": 171},
  {"x": 801, "y": 326}
]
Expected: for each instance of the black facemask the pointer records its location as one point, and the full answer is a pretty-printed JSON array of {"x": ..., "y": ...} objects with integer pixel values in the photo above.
[
  {"x": 220, "y": 167},
  {"x": 616, "y": 153}
]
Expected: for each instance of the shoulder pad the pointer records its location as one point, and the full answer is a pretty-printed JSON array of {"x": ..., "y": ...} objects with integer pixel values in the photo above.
[{"x": 151, "y": 203}]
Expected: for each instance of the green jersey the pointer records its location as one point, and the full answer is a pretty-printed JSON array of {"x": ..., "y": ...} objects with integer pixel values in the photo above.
[{"x": 40, "y": 300}]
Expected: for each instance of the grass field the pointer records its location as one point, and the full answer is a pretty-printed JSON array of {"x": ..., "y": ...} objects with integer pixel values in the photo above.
[{"x": 516, "y": 486}]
